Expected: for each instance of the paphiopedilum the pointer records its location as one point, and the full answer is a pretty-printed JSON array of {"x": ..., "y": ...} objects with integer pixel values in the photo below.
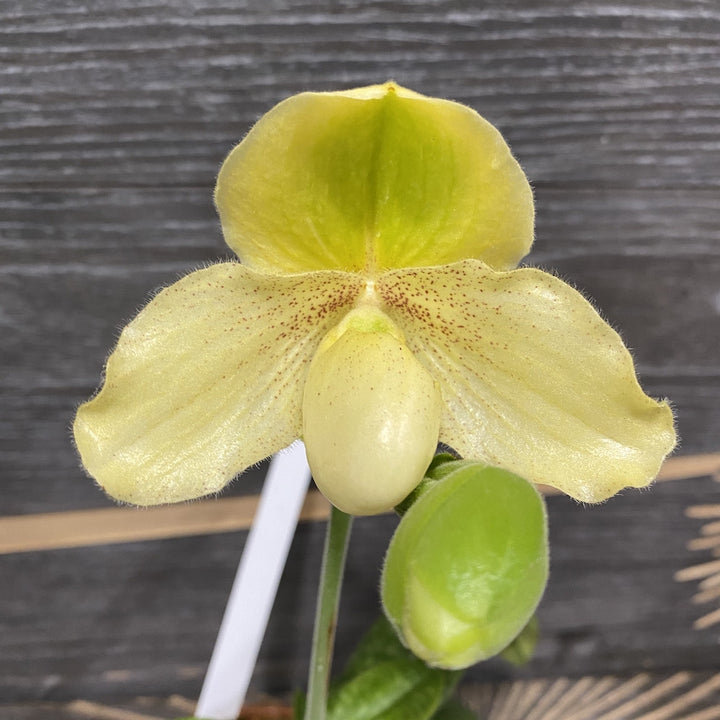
[{"x": 375, "y": 312}]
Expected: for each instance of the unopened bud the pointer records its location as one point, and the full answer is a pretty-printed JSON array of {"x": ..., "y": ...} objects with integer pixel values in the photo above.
[{"x": 467, "y": 566}]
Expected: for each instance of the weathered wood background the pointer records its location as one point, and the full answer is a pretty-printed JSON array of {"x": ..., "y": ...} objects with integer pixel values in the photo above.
[{"x": 114, "y": 118}]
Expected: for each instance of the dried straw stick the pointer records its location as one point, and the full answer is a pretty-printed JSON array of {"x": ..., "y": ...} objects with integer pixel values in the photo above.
[{"x": 80, "y": 528}]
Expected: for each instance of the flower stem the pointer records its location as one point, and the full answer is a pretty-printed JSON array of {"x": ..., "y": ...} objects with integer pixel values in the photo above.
[{"x": 331, "y": 574}]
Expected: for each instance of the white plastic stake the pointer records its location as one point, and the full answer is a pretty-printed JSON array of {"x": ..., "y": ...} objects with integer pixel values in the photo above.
[{"x": 255, "y": 586}]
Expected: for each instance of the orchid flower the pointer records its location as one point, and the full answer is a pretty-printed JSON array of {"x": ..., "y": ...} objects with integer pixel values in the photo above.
[{"x": 375, "y": 312}]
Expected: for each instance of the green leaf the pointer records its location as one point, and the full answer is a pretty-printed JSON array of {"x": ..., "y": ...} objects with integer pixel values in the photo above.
[
  {"x": 454, "y": 710},
  {"x": 385, "y": 681},
  {"x": 522, "y": 648},
  {"x": 442, "y": 464},
  {"x": 391, "y": 690},
  {"x": 379, "y": 643},
  {"x": 299, "y": 702}
]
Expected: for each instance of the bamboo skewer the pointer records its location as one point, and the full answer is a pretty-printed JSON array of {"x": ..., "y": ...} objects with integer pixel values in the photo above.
[
  {"x": 695, "y": 572},
  {"x": 708, "y": 572},
  {"x": 82, "y": 528}
]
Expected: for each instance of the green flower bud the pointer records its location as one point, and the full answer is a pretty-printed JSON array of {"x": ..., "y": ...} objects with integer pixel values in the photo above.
[{"x": 467, "y": 566}]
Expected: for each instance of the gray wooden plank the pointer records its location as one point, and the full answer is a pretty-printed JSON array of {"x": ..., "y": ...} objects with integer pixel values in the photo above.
[
  {"x": 155, "y": 93},
  {"x": 140, "y": 619},
  {"x": 141, "y": 709},
  {"x": 660, "y": 694},
  {"x": 83, "y": 262},
  {"x": 76, "y": 273},
  {"x": 40, "y": 470},
  {"x": 108, "y": 227},
  {"x": 53, "y": 355},
  {"x": 114, "y": 117},
  {"x": 671, "y": 322}
]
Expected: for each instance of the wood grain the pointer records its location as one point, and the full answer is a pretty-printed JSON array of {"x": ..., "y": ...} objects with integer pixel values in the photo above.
[
  {"x": 154, "y": 93},
  {"x": 114, "y": 118},
  {"x": 81, "y": 528}
]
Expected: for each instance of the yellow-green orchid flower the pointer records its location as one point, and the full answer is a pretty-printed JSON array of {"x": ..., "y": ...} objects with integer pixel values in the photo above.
[{"x": 375, "y": 312}]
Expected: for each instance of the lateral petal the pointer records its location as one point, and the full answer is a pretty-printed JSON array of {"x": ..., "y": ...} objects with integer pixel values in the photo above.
[
  {"x": 371, "y": 179},
  {"x": 207, "y": 380},
  {"x": 533, "y": 379}
]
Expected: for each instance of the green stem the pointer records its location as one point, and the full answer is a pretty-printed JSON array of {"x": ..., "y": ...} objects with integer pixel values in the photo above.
[{"x": 331, "y": 574}]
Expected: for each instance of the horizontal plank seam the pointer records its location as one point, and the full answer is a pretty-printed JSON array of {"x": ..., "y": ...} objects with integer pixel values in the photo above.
[
  {"x": 83, "y": 528},
  {"x": 640, "y": 186}
]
